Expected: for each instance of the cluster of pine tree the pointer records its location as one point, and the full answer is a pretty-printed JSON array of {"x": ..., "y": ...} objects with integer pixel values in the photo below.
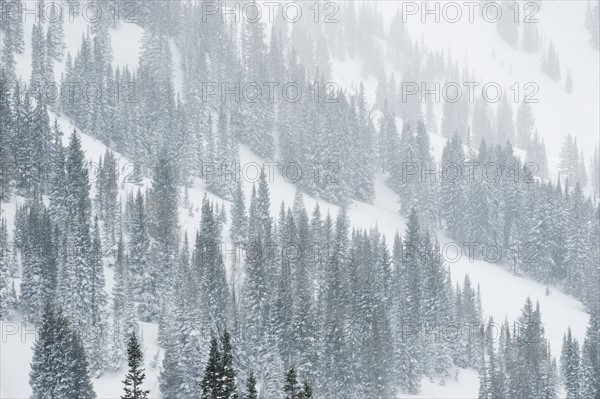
[
  {"x": 219, "y": 379},
  {"x": 60, "y": 367},
  {"x": 491, "y": 198},
  {"x": 13, "y": 39},
  {"x": 502, "y": 203},
  {"x": 28, "y": 145},
  {"x": 473, "y": 118},
  {"x": 61, "y": 252},
  {"x": 137, "y": 111},
  {"x": 308, "y": 294},
  {"x": 516, "y": 360},
  {"x": 580, "y": 365}
]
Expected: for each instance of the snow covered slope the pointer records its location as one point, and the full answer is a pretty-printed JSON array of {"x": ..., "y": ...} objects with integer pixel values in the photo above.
[
  {"x": 486, "y": 54},
  {"x": 558, "y": 310}
]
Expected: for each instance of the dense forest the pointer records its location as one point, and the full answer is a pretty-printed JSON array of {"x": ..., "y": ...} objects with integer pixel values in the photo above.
[{"x": 314, "y": 307}]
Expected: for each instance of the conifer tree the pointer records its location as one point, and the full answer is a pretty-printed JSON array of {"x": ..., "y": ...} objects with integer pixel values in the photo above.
[
  {"x": 97, "y": 307},
  {"x": 8, "y": 297},
  {"x": 122, "y": 306},
  {"x": 569, "y": 160},
  {"x": 483, "y": 122},
  {"x": 291, "y": 388},
  {"x": 59, "y": 368},
  {"x": 106, "y": 197},
  {"x": 239, "y": 219},
  {"x": 505, "y": 128},
  {"x": 590, "y": 362},
  {"x": 525, "y": 124},
  {"x": 570, "y": 365},
  {"x": 408, "y": 346},
  {"x": 452, "y": 194},
  {"x": 569, "y": 82},
  {"x": 551, "y": 63},
  {"x": 306, "y": 392},
  {"x": 135, "y": 374},
  {"x": 228, "y": 385},
  {"x": 211, "y": 387},
  {"x": 163, "y": 226},
  {"x": 251, "y": 392}
]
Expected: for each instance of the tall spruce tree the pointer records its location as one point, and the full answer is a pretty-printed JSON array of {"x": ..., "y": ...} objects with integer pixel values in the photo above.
[
  {"x": 251, "y": 392},
  {"x": 570, "y": 365},
  {"x": 59, "y": 368},
  {"x": 135, "y": 373}
]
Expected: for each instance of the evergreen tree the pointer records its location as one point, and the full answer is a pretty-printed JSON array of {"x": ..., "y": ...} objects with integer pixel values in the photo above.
[
  {"x": 143, "y": 279},
  {"x": 536, "y": 154},
  {"x": 37, "y": 242},
  {"x": 576, "y": 255},
  {"x": 452, "y": 195},
  {"x": 209, "y": 262},
  {"x": 551, "y": 63},
  {"x": 590, "y": 362},
  {"x": 483, "y": 122},
  {"x": 8, "y": 298},
  {"x": 570, "y": 365},
  {"x": 505, "y": 129},
  {"x": 426, "y": 186},
  {"x": 41, "y": 144},
  {"x": 135, "y": 374},
  {"x": 122, "y": 306},
  {"x": 239, "y": 219},
  {"x": 78, "y": 200},
  {"x": 408, "y": 346},
  {"x": 59, "y": 367},
  {"x": 97, "y": 307},
  {"x": 570, "y": 165},
  {"x": 41, "y": 69},
  {"x": 436, "y": 311},
  {"x": 163, "y": 223},
  {"x": 228, "y": 388},
  {"x": 6, "y": 122},
  {"x": 291, "y": 388},
  {"x": 251, "y": 392},
  {"x": 257, "y": 130},
  {"x": 569, "y": 82},
  {"x": 525, "y": 125},
  {"x": 107, "y": 191},
  {"x": 306, "y": 392},
  {"x": 211, "y": 386},
  {"x": 55, "y": 37}
]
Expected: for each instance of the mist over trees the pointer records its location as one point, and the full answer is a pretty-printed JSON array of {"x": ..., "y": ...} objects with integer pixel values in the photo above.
[{"x": 307, "y": 304}]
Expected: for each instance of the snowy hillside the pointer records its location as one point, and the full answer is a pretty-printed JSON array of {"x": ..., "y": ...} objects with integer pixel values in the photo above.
[{"x": 344, "y": 332}]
